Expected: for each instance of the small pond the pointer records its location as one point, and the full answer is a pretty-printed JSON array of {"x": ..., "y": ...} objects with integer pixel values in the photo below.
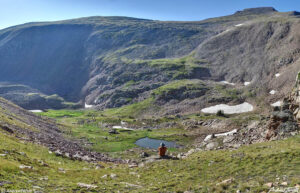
[{"x": 154, "y": 143}]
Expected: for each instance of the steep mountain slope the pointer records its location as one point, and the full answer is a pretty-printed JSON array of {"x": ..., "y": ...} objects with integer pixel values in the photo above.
[
  {"x": 256, "y": 51},
  {"x": 114, "y": 61},
  {"x": 59, "y": 58}
]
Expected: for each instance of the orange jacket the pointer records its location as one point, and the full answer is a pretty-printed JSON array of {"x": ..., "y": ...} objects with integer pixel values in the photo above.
[{"x": 162, "y": 151}]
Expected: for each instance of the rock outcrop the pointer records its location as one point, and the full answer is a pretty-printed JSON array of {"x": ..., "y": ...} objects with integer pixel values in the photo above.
[{"x": 283, "y": 122}]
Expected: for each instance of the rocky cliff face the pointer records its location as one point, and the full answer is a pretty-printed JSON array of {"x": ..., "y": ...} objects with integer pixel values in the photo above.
[
  {"x": 285, "y": 119},
  {"x": 293, "y": 100}
]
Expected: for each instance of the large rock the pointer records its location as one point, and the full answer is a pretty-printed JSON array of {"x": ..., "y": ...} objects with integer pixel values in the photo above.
[{"x": 212, "y": 145}]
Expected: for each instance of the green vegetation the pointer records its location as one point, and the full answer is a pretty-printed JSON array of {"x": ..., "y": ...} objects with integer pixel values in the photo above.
[
  {"x": 132, "y": 110},
  {"x": 250, "y": 168},
  {"x": 177, "y": 68},
  {"x": 95, "y": 126},
  {"x": 62, "y": 113},
  {"x": 129, "y": 83},
  {"x": 180, "y": 84},
  {"x": 176, "y": 63},
  {"x": 229, "y": 92}
]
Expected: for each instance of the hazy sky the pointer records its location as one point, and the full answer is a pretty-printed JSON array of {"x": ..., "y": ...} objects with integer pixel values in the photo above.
[{"x": 13, "y": 12}]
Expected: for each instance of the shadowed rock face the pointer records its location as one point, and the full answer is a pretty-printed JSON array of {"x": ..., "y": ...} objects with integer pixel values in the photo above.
[{"x": 49, "y": 58}]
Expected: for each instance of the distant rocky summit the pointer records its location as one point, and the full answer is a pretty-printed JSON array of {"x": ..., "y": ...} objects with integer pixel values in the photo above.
[{"x": 259, "y": 10}]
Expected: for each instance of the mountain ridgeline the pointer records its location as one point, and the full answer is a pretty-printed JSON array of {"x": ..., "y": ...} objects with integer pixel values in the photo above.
[{"x": 114, "y": 61}]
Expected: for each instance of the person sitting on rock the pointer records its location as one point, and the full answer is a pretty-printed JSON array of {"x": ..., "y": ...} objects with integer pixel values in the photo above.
[{"x": 162, "y": 150}]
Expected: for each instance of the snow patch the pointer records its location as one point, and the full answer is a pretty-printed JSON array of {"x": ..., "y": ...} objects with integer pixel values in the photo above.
[
  {"x": 226, "y": 82},
  {"x": 277, "y": 75},
  {"x": 272, "y": 91},
  {"x": 277, "y": 104},
  {"x": 227, "y": 133},
  {"x": 246, "y": 83},
  {"x": 88, "y": 106},
  {"x": 241, "y": 108},
  {"x": 36, "y": 111},
  {"x": 121, "y": 127},
  {"x": 209, "y": 137},
  {"x": 238, "y": 25}
]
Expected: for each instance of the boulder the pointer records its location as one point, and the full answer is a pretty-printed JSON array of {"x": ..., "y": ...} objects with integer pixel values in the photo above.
[
  {"x": 58, "y": 153},
  {"x": 133, "y": 166},
  {"x": 228, "y": 181},
  {"x": 88, "y": 186},
  {"x": 228, "y": 139},
  {"x": 104, "y": 176},
  {"x": 6, "y": 128},
  {"x": 269, "y": 185},
  {"x": 113, "y": 131},
  {"x": 144, "y": 154},
  {"x": 212, "y": 145},
  {"x": 113, "y": 176},
  {"x": 25, "y": 167}
]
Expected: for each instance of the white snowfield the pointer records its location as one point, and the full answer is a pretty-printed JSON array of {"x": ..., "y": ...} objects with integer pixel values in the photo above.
[
  {"x": 226, "y": 82},
  {"x": 88, "y": 106},
  {"x": 246, "y": 83},
  {"x": 117, "y": 127},
  {"x": 36, "y": 111},
  {"x": 121, "y": 127},
  {"x": 272, "y": 91},
  {"x": 241, "y": 108},
  {"x": 277, "y": 104},
  {"x": 207, "y": 138},
  {"x": 277, "y": 75},
  {"x": 238, "y": 25}
]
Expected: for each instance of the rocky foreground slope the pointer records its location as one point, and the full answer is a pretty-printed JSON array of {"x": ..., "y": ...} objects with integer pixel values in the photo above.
[
  {"x": 115, "y": 61},
  {"x": 29, "y": 127}
]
